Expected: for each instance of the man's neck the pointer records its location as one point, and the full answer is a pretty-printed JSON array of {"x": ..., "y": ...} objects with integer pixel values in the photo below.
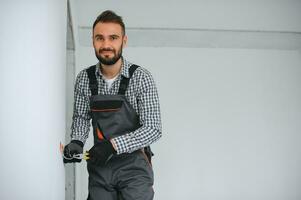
[{"x": 110, "y": 71}]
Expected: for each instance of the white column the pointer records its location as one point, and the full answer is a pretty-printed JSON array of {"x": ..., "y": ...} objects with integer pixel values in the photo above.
[{"x": 32, "y": 98}]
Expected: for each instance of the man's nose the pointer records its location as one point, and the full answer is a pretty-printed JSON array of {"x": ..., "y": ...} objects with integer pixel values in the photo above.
[{"x": 106, "y": 43}]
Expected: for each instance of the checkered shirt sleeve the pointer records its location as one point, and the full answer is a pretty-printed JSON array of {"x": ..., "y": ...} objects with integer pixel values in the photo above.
[
  {"x": 81, "y": 111},
  {"x": 149, "y": 112}
]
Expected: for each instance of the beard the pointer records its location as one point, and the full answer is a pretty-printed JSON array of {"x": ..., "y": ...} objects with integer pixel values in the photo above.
[{"x": 107, "y": 60}]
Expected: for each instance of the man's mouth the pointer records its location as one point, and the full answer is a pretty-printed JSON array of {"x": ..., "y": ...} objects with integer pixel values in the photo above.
[{"x": 106, "y": 51}]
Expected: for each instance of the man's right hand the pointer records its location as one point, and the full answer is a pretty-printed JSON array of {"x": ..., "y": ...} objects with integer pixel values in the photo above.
[{"x": 73, "y": 148}]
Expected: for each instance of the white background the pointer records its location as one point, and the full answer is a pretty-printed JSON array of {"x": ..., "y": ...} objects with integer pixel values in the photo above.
[
  {"x": 32, "y": 99},
  {"x": 231, "y": 116},
  {"x": 231, "y": 123}
]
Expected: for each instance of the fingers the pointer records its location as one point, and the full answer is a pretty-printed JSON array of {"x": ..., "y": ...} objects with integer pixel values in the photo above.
[
  {"x": 73, "y": 160},
  {"x": 67, "y": 153}
]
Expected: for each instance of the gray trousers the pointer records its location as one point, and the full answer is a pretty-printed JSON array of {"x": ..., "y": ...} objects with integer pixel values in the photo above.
[{"x": 124, "y": 177}]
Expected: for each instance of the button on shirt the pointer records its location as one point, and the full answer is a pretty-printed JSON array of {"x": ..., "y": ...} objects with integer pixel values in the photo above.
[{"x": 142, "y": 95}]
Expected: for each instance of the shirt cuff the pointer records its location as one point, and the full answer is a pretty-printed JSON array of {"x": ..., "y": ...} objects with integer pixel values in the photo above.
[
  {"x": 79, "y": 138},
  {"x": 123, "y": 144}
]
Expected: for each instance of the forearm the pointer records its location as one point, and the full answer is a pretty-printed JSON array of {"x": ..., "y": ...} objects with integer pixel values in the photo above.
[
  {"x": 142, "y": 137},
  {"x": 80, "y": 129},
  {"x": 81, "y": 111},
  {"x": 150, "y": 119}
]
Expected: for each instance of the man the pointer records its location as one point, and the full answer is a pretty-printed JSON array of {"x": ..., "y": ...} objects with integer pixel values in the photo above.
[{"x": 122, "y": 100}]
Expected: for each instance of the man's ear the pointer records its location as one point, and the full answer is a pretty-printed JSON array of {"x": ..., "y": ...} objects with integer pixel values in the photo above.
[{"x": 125, "y": 40}]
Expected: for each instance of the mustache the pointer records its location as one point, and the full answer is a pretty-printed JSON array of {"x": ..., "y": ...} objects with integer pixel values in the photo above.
[{"x": 105, "y": 49}]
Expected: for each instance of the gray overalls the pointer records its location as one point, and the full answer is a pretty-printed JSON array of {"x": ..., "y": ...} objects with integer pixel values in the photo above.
[{"x": 127, "y": 176}]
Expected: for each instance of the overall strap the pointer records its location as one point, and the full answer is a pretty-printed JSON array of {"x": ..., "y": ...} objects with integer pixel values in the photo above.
[
  {"x": 93, "y": 85},
  {"x": 125, "y": 81}
]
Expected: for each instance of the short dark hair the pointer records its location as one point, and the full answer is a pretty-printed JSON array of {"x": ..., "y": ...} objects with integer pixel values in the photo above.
[{"x": 110, "y": 16}]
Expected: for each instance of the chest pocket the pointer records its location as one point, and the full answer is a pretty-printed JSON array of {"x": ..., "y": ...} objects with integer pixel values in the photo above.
[{"x": 112, "y": 116}]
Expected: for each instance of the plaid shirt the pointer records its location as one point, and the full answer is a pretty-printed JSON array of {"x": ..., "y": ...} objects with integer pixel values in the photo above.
[{"x": 142, "y": 95}]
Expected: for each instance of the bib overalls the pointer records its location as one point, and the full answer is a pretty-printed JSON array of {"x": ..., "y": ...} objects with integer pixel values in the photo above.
[{"x": 126, "y": 176}]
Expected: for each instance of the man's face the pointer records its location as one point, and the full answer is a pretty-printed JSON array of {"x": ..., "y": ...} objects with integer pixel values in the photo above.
[{"x": 108, "y": 41}]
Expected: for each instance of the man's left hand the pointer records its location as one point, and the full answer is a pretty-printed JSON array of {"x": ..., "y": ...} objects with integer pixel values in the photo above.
[{"x": 101, "y": 152}]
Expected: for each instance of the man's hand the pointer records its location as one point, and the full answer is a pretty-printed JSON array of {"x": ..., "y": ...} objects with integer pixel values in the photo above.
[
  {"x": 73, "y": 148},
  {"x": 101, "y": 152}
]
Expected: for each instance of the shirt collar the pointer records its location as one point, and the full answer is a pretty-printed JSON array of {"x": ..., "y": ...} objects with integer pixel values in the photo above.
[{"x": 125, "y": 66}]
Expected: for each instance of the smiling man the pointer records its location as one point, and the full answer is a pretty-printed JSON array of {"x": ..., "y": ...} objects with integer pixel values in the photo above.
[{"x": 122, "y": 100}]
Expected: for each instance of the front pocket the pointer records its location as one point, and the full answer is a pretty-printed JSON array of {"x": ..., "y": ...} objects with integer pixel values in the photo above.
[
  {"x": 113, "y": 117},
  {"x": 106, "y": 106}
]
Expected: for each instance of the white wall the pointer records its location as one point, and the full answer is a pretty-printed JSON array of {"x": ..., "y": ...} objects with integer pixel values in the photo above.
[
  {"x": 231, "y": 121},
  {"x": 69, "y": 168},
  {"x": 32, "y": 101},
  {"x": 231, "y": 117},
  {"x": 277, "y": 15}
]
